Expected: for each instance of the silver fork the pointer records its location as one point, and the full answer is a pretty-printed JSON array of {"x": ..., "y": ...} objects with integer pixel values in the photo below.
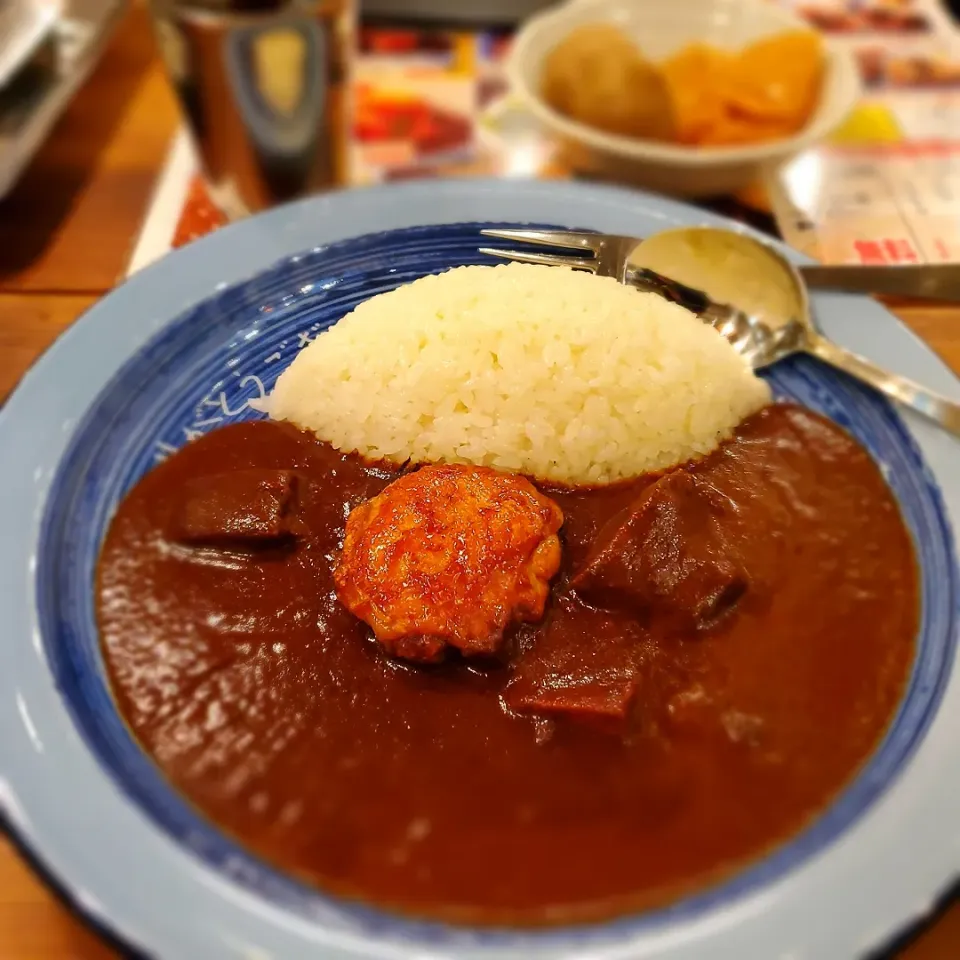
[
  {"x": 762, "y": 337},
  {"x": 931, "y": 281},
  {"x": 609, "y": 254}
]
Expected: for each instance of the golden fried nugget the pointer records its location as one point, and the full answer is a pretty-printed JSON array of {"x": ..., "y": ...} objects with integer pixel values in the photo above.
[
  {"x": 777, "y": 79},
  {"x": 697, "y": 78},
  {"x": 598, "y": 77},
  {"x": 732, "y": 130},
  {"x": 449, "y": 556}
]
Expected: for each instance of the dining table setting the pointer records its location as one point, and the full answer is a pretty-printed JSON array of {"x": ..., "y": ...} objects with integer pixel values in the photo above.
[{"x": 171, "y": 191}]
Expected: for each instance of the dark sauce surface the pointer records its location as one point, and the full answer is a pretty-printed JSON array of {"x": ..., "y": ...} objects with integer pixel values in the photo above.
[{"x": 421, "y": 788}]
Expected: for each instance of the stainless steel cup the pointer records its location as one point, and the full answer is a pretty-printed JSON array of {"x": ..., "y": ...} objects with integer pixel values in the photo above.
[{"x": 264, "y": 88}]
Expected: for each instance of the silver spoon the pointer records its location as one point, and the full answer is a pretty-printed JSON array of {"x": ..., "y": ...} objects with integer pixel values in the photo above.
[
  {"x": 773, "y": 318},
  {"x": 706, "y": 270}
]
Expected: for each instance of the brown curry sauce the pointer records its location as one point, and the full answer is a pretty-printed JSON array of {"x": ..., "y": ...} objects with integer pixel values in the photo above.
[{"x": 475, "y": 791}]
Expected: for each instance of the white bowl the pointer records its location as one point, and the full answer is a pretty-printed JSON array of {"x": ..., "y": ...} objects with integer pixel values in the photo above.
[{"x": 659, "y": 29}]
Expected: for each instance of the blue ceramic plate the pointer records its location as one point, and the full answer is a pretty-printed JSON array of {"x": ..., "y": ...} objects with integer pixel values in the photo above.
[{"x": 182, "y": 349}]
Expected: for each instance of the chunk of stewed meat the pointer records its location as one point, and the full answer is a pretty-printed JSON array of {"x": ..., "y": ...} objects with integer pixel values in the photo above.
[
  {"x": 584, "y": 668},
  {"x": 241, "y": 507},
  {"x": 666, "y": 559},
  {"x": 448, "y": 557}
]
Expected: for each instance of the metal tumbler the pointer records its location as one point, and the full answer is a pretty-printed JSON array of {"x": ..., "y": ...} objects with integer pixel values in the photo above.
[{"x": 264, "y": 88}]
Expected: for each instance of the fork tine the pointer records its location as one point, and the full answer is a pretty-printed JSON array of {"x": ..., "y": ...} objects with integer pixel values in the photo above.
[
  {"x": 544, "y": 259},
  {"x": 575, "y": 239}
]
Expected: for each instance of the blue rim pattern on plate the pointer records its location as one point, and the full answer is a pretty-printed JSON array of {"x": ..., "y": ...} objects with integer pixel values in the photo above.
[{"x": 202, "y": 369}]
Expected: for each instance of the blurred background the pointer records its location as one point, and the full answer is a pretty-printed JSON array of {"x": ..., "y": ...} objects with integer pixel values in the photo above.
[
  {"x": 128, "y": 129},
  {"x": 194, "y": 113}
]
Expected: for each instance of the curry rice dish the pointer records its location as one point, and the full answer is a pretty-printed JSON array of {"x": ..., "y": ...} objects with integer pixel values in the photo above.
[{"x": 434, "y": 661}]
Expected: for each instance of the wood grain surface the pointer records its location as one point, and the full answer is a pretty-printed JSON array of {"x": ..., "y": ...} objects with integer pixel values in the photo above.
[{"x": 65, "y": 235}]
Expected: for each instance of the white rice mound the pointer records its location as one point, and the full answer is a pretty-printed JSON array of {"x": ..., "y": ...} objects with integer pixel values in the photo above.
[{"x": 553, "y": 373}]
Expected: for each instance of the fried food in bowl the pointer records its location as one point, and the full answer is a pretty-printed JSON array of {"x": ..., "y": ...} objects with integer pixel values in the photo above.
[
  {"x": 702, "y": 95},
  {"x": 691, "y": 98}
]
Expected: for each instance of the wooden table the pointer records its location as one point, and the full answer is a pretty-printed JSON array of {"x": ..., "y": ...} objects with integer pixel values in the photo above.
[{"x": 65, "y": 236}]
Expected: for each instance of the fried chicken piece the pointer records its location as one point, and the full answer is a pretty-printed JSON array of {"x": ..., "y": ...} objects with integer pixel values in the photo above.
[{"x": 448, "y": 556}]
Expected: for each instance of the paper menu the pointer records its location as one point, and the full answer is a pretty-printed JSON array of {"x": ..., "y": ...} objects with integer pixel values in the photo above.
[{"x": 886, "y": 188}]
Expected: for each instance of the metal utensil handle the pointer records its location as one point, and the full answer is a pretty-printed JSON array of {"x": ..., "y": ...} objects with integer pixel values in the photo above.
[
  {"x": 696, "y": 301},
  {"x": 940, "y": 281},
  {"x": 934, "y": 406}
]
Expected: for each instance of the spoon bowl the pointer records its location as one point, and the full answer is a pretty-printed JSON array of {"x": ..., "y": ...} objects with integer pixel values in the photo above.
[{"x": 767, "y": 295}]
